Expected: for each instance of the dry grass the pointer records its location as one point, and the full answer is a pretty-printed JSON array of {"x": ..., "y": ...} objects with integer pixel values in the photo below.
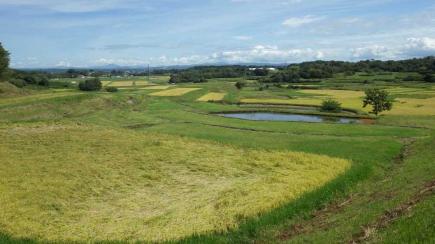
[
  {"x": 128, "y": 83},
  {"x": 105, "y": 82},
  {"x": 156, "y": 87},
  {"x": 353, "y": 99},
  {"x": 36, "y": 97},
  {"x": 347, "y": 98},
  {"x": 74, "y": 182},
  {"x": 413, "y": 106},
  {"x": 174, "y": 92},
  {"x": 212, "y": 96}
]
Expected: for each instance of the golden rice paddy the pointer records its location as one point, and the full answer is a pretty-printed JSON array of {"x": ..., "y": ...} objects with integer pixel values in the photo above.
[
  {"x": 127, "y": 83},
  {"x": 174, "y": 92},
  {"x": 156, "y": 87},
  {"x": 105, "y": 82},
  {"x": 69, "y": 182},
  {"x": 212, "y": 96},
  {"x": 353, "y": 99}
]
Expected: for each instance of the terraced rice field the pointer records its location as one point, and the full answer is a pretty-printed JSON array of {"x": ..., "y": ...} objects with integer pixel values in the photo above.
[
  {"x": 156, "y": 87},
  {"x": 106, "y": 82},
  {"x": 212, "y": 96},
  {"x": 123, "y": 184},
  {"x": 174, "y": 92},
  {"x": 348, "y": 99},
  {"x": 128, "y": 83},
  {"x": 121, "y": 83}
]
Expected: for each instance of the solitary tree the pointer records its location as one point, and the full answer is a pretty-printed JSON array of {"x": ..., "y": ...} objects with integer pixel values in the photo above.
[
  {"x": 379, "y": 99},
  {"x": 4, "y": 61}
]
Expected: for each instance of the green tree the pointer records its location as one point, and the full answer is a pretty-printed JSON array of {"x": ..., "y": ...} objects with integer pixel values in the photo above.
[
  {"x": 379, "y": 99},
  {"x": 240, "y": 84},
  {"x": 4, "y": 61},
  {"x": 429, "y": 77},
  {"x": 90, "y": 85}
]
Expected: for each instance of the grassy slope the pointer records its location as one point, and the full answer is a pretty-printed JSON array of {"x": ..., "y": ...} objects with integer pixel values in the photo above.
[{"x": 371, "y": 148}]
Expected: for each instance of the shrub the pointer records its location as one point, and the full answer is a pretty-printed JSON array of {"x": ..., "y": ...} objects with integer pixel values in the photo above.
[
  {"x": 90, "y": 85},
  {"x": 429, "y": 78},
  {"x": 240, "y": 84},
  {"x": 331, "y": 105},
  {"x": 18, "y": 83},
  {"x": 111, "y": 89}
]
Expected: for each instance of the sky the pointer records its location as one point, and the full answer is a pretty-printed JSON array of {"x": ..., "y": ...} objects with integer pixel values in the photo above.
[{"x": 89, "y": 33}]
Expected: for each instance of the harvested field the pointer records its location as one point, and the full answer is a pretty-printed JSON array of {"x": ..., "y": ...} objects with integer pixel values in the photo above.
[{"x": 174, "y": 92}]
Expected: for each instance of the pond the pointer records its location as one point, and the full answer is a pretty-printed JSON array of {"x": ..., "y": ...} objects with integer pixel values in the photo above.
[{"x": 268, "y": 116}]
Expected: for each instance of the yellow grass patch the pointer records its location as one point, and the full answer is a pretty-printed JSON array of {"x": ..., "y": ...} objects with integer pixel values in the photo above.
[
  {"x": 174, "y": 92},
  {"x": 105, "y": 82},
  {"x": 212, "y": 96},
  {"x": 36, "y": 97},
  {"x": 121, "y": 83},
  {"x": 156, "y": 87},
  {"x": 141, "y": 83},
  {"x": 80, "y": 183},
  {"x": 128, "y": 83},
  {"x": 413, "y": 106},
  {"x": 348, "y": 99}
]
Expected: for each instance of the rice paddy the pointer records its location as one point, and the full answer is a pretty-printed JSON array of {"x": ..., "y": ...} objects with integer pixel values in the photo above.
[
  {"x": 212, "y": 96},
  {"x": 156, "y": 87},
  {"x": 145, "y": 164},
  {"x": 106, "y": 82},
  {"x": 174, "y": 92},
  {"x": 121, "y": 184},
  {"x": 127, "y": 83}
]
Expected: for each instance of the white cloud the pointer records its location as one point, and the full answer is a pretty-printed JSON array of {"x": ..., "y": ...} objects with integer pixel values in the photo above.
[
  {"x": 73, "y": 6},
  {"x": 121, "y": 61},
  {"x": 373, "y": 52},
  {"x": 415, "y": 47},
  {"x": 63, "y": 63},
  {"x": 412, "y": 47},
  {"x": 243, "y": 38},
  {"x": 299, "y": 21}
]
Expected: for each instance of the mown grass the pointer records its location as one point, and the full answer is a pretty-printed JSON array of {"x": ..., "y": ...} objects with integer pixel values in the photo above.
[{"x": 71, "y": 182}]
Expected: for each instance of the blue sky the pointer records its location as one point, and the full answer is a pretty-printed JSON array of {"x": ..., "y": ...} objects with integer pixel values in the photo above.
[{"x": 83, "y": 33}]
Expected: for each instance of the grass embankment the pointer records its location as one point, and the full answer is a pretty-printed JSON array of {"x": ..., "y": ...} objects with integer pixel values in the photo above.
[{"x": 70, "y": 182}]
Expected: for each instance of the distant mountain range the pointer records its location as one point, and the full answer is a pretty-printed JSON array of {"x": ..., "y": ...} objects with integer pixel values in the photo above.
[{"x": 142, "y": 67}]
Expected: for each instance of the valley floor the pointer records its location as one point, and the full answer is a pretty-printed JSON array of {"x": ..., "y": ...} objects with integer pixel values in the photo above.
[{"x": 154, "y": 162}]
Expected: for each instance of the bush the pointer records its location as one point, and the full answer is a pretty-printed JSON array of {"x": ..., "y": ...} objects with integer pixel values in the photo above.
[
  {"x": 18, "y": 83},
  {"x": 331, "y": 105},
  {"x": 412, "y": 78},
  {"x": 429, "y": 78},
  {"x": 90, "y": 85},
  {"x": 111, "y": 89},
  {"x": 240, "y": 84}
]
